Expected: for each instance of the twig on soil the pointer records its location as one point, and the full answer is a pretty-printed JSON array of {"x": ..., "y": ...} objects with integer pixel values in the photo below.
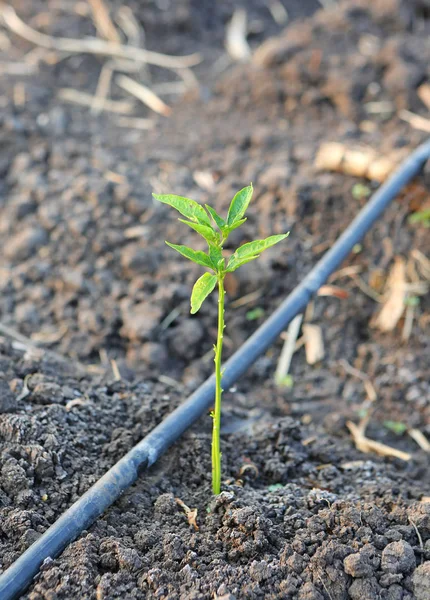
[
  {"x": 288, "y": 350},
  {"x": 130, "y": 26},
  {"x": 244, "y": 300},
  {"x": 423, "y": 263},
  {"x": 415, "y": 121},
  {"x": 333, "y": 290},
  {"x": 408, "y": 323},
  {"x": 17, "y": 68},
  {"x": 278, "y": 12},
  {"x": 102, "y": 90},
  {"x": 103, "y": 22},
  {"x": 368, "y": 385},
  {"x": 122, "y": 107},
  {"x": 235, "y": 37},
  {"x": 115, "y": 370},
  {"x": 135, "y": 123},
  {"x": 366, "y": 445},
  {"x": 93, "y": 45},
  {"x": 191, "y": 513},
  {"x": 144, "y": 94},
  {"x": 420, "y": 539},
  {"x": 420, "y": 439}
]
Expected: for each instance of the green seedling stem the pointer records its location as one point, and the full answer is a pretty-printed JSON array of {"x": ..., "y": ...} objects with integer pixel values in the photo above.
[{"x": 215, "y": 230}]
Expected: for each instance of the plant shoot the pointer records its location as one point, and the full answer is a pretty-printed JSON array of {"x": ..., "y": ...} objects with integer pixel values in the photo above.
[{"x": 215, "y": 230}]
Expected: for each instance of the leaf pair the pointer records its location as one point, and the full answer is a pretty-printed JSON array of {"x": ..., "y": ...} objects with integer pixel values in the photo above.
[{"x": 252, "y": 250}]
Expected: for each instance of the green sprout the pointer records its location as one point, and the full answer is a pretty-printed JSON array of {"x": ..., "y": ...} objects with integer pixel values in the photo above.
[
  {"x": 215, "y": 230},
  {"x": 421, "y": 216}
]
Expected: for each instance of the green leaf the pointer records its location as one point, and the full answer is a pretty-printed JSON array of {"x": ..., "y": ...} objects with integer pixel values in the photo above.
[
  {"x": 197, "y": 256},
  {"x": 227, "y": 230},
  {"x": 232, "y": 265},
  {"x": 187, "y": 207},
  {"x": 421, "y": 216},
  {"x": 215, "y": 216},
  {"x": 396, "y": 427},
  {"x": 252, "y": 250},
  {"x": 255, "y": 313},
  {"x": 201, "y": 290},
  {"x": 239, "y": 204},
  {"x": 211, "y": 236},
  {"x": 215, "y": 254}
]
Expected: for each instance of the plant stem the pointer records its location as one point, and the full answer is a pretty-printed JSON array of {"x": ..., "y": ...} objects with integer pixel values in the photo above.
[{"x": 216, "y": 452}]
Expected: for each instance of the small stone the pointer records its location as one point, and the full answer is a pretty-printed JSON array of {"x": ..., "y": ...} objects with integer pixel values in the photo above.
[
  {"x": 7, "y": 398},
  {"x": 139, "y": 320},
  {"x": 363, "y": 563},
  {"x": 421, "y": 581},
  {"x": 398, "y": 557},
  {"x": 185, "y": 338},
  {"x": 22, "y": 245}
]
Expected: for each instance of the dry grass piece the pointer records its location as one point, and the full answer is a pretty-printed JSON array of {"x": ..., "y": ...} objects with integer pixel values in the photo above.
[
  {"x": 288, "y": 350},
  {"x": 105, "y": 27},
  {"x": 121, "y": 107},
  {"x": 394, "y": 304},
  {"x": 415, "y": 121},
  {"x": 366, "y": 445},
  {"x": 144, "y": 94},
  {"x": 93, "y": 45},
  {"x": 420, "y": 439},
  {"x": 235, "y": 39}
]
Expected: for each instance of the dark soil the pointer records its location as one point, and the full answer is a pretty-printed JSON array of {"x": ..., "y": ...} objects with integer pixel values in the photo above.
[{"x": 85, "y": 274}]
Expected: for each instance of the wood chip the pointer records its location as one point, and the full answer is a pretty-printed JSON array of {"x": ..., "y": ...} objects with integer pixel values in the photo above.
[
  {"x": 366, "y": 445},
  {"x": 333, "y": 290},
  {"x": 235, "y": 39},
  {"x": 424, "y": 94},
  {"x": 314, "y": 343},
  {"x": 394, "y": 304},
  {"x": 359, "y": 162}
]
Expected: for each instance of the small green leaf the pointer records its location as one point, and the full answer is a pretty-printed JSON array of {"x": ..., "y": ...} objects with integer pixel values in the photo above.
[
  {"x": 421, "y": 216},
  {"x": 227, "y": 230},
  {"x": 232, "y": 265},
  {"x": 187, "y": 207},
  {"x": 197, "y": 256},
  {"x": 275, "y": 486},
  {"x": 252, "y": 250},
  {"x": 255, "y": 313},
  {"x": 396, "y": 427},
  {"x": 211, "y": 236},
  {"x": 201, "y": 290},
  {"x": 215, "y": 216},
  {"x": 239, "y": 204}
]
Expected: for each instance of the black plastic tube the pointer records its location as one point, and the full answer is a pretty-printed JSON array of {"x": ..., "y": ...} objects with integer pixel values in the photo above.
[{"x": 102, "y": 494}]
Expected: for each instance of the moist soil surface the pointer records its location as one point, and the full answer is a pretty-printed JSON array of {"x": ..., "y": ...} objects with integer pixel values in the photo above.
[{"x": 97, "y": 344}]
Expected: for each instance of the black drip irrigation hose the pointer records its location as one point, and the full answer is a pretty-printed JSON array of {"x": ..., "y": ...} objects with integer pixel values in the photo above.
[{"x": 124, "y": 473}]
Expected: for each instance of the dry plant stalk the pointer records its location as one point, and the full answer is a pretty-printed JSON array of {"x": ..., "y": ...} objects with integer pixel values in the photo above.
[
  {"x": 361, "y": 162},
  {"x": 105, "y": 27},
  {"x": 144, "y": 94},
  {"x": 235, "y": 39},
  {"x": 93, "y": 45},
  {"x": 394, "y": 305},
  {"x": 415, "y": 121},
  {"x": 366, "y": 445},
  {"x": 122, "y": 107}
]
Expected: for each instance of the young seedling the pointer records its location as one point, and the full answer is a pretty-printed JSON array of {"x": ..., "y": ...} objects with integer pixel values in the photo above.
[{"x": 215, "y": 230}]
